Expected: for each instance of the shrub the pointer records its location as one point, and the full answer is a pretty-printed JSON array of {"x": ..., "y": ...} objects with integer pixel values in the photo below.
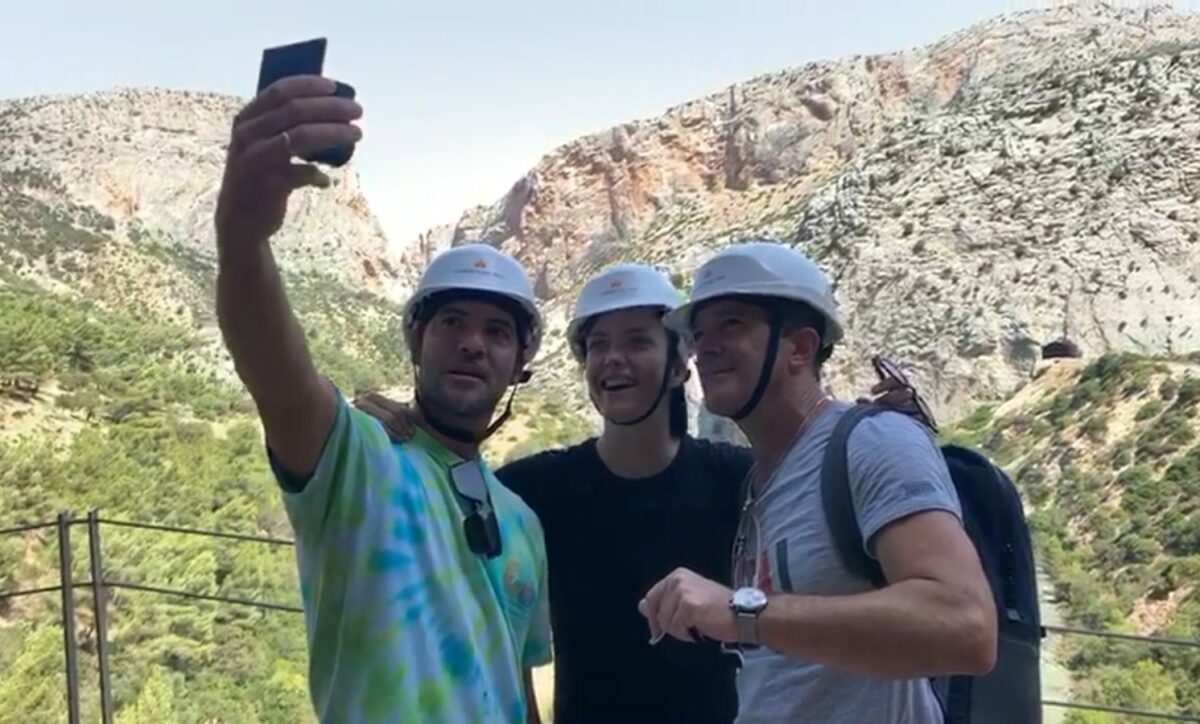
[
  {"x": 1095, "y": 427},
  {"x": 1138, "y": 488},
  {"x": 1168, "y": 434},
  {"x": 1138, "y": 549},
  {"x": 1149, "y": 410}
]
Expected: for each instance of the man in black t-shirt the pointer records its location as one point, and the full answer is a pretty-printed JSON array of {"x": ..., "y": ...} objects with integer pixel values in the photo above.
[{"x": 623, "y": 510}]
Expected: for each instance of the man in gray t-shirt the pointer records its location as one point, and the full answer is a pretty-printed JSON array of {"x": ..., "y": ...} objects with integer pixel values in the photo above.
[
  {"x": 819, "y": 643},
  {"x": 895, "y": 471}
]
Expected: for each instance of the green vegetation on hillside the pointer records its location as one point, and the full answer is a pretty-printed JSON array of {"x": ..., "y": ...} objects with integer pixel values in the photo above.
[
  {"x": 163, "y": 439},
  {"x": 35, "y": 228},
  {"x": 551, "y": 425},
  {"x": 1116, "y": 516},
  {"x": 357, "y": 337},
  {"x": 164, "y": 443}
]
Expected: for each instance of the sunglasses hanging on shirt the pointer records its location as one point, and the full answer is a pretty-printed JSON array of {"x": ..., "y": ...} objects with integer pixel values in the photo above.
[{"x": 479, "y": 524}]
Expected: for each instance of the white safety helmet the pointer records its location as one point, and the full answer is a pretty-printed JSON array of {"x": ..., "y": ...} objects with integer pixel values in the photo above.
[
  {"x": 624, "y": 286},
  {"x": 477, "y": 268},
  {"x": 762, "y": 269}
]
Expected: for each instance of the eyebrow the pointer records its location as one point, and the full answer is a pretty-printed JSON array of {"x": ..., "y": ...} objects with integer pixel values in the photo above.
[
  {"x": 491, "y": 319},
  {"x": 739, "y": 311},
  {"x": 635, "y": 330}
]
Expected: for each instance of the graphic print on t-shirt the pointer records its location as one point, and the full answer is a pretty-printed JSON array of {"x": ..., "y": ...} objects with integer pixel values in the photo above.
[{"x": 773, "y": 572}]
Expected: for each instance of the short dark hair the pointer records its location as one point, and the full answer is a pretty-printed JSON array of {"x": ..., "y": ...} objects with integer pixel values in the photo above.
[
  {"x": 677, "y": 413},
  {"x": 798, "y": 315}
]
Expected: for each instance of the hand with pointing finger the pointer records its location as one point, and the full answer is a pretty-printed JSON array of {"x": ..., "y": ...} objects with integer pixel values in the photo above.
[
  {"x": 295, "y": 116},
  {"x": 685, "y": 604}
]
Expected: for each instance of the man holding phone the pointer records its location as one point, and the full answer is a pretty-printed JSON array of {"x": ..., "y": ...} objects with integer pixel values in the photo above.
[{"x": 423, "y": 578}]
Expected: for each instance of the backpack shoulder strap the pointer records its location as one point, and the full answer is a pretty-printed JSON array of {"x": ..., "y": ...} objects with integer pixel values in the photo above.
[{"x": 839, "y": 504}]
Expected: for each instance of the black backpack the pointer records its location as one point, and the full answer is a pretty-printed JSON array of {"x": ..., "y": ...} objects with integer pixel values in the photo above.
[{"x": 995, "y": 522}]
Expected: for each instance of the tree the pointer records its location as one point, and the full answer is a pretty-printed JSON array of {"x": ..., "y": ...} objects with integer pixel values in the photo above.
[
  {"x": 1143, "y": 686},
  {"x": 155, "y": 703},
  {"x": 33, "y": 690}
]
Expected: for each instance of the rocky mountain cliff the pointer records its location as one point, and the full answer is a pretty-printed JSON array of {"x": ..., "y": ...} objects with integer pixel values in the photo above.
[
  {"x": 1031, "y": 176},
  {"x": 108, "y": 199},
  {"x": 147, "y": 163}
]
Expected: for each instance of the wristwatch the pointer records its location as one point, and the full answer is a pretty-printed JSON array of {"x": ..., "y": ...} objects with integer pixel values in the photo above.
[{"x": 747, "y": 604}]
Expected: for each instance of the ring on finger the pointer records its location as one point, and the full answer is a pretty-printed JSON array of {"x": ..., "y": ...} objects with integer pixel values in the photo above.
[{"x": 287, "y": 142}]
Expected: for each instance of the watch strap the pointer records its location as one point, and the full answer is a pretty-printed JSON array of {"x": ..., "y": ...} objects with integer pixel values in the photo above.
[{"x": 747, "y": 628}]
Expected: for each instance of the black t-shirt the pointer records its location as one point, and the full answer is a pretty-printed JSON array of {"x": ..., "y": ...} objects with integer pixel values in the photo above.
[{"x": 608, "y": 540}]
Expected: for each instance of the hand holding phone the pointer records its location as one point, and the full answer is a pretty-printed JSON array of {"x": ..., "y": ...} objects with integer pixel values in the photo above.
[
  {"x": 305, "y": 58},
  {"x": 299, "y": 114}
]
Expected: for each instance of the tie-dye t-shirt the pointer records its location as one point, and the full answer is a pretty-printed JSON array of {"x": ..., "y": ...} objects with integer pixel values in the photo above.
[{"x": 404, "y": 622}]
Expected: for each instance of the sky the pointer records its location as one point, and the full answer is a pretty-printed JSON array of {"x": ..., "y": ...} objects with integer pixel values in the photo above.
[{"x": 460, "y": 98}]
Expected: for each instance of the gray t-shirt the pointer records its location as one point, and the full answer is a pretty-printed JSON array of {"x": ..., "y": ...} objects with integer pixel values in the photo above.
[{"x": 895, "y": 470}]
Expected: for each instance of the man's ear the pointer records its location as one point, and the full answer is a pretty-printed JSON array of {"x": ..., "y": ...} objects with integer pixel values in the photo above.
[{"x": 801, "y": 345}]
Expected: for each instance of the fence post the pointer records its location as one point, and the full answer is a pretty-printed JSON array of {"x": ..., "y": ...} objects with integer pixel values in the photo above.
[
  {"x": 100, "y": 608},
  {"x": 68, "y": 616}
]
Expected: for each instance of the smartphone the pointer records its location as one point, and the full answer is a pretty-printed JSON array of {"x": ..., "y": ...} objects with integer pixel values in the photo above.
[{"x": 304, "y": 58}]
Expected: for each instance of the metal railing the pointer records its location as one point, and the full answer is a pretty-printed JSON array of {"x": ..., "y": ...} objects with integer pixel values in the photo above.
[
  {"x": 1143, "y": 713},
  {"x": 99, "y": 586}
]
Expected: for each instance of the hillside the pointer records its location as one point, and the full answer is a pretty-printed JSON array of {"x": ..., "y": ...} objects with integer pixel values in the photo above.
[
  {"x": 974, "y": 198},
  {"x": 1107, "y": 457},
  {"x": 116, "y": 392},
  {"x": 1028, "y": 177},
  {"x": 108, "y": 199}
]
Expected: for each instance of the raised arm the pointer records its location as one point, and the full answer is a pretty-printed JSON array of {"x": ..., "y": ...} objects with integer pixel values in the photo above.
[{"x": 294, "y": 117}]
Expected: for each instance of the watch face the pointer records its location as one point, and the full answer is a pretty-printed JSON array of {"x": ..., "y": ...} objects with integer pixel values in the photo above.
[{"x": 748, "y": 599}]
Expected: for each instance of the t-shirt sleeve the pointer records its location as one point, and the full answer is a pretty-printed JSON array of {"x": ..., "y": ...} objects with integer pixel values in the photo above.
[
  {"x": 538, "y": 648},
  {"x": 896, "y": 470},
  {"x": 356, "y": 451}
]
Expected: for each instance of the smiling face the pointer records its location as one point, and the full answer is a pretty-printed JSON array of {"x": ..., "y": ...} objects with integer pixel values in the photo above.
[
  {"x": 470, "y": 352},
  {"x": 731, "y": 339},
  {"x": 626, "y": 355}
]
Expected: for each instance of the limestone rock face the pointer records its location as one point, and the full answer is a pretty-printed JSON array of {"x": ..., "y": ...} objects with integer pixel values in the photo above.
[
  {"x": 149, "y": 162},
  {"x": 1033, "y": 176}
]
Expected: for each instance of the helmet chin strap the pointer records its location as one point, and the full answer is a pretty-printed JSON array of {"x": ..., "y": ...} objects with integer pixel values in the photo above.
[
  {"x": 466, "y": 436},
  {"x": 775, "y": 322},
  {"x": 662, "y": 391}
]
